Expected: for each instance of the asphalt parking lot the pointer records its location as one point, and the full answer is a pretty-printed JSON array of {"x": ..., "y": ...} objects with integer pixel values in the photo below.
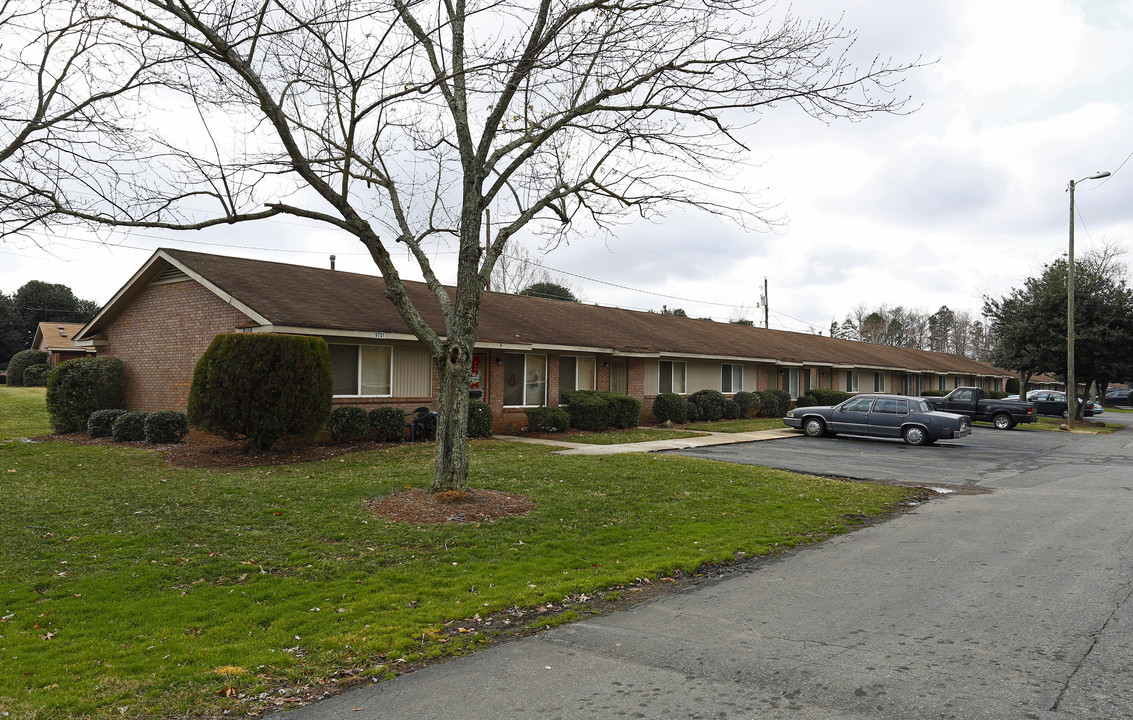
[{"x": 987, "y": 458}]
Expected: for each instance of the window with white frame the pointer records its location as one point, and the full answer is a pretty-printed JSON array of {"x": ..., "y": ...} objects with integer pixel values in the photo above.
[
  {"x": 362, "y": 370},
  {"x": 671, "y": 377},
  {"x": 525, "y": 380},
  {"x": 731, "y": 378},
  {"x": 879, "y": 382},
  {"x": 575, "y": 373},
  {"x": 791, "y": 377},
  {"x": 851, "y": 381}
]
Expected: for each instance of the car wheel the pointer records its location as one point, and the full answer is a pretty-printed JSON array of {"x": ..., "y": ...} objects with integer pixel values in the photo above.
[
  {"x": 1003, "y": 422},
  {"x": 1066, "y": 413},
  {"x": 814, "y": 427},
  {"x": 915, "y": 435}
]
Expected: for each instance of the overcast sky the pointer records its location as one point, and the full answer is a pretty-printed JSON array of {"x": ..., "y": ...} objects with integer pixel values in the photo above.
[{"x": 965, "y": 197}]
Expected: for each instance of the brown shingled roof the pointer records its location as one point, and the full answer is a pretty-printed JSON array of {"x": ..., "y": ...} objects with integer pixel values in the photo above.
[{"x": 319, "y": 299}]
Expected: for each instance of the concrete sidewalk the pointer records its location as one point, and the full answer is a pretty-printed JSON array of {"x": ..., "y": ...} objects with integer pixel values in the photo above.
[{"x": 709, "y": 438}]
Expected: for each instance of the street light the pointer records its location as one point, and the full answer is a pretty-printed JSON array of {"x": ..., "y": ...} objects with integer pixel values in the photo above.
[{"x": 1071, "y": 381}]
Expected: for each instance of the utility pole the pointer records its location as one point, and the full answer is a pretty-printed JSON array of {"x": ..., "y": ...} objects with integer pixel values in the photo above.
[
  {"x": 766, "y": 315},
  {"x": 1071, "y": 381}
]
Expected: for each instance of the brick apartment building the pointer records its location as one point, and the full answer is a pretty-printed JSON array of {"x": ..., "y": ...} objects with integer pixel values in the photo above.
[{"x": 528, "y": 351}]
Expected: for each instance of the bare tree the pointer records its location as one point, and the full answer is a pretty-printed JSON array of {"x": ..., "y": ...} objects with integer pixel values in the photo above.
[
  {"x": 68, "y": 83},
  {"x": 403, "y": 122}
]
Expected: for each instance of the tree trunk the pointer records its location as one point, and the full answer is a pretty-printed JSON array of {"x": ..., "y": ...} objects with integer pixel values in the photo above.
[{"x": 450, "y": 469}]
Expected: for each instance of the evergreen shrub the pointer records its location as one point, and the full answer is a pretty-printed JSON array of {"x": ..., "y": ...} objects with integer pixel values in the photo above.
[
  {"x": 36, "y": 375},
  {"x": 262, "y": 387},
  {"x": 774, "y": 403},
  {"x": 348, "y": 423},
  {"x": 588, "y": 410},
  {"x": 829, "y": 397},
  {"x": 625, "y": 411},
  {"x": 101, "y": 422},
  {"x": 79, "y": 387},
  {"x": 731, "y": 410},
  {"x": 806, "y": 401},
  {"x": 709, "y": 404},
  {"x": 547, "y": 419},
  {"x": 942, "y": 393},
  {"x": 129, "y": 427},
  {"x": 387, "y": 424},
  {"x": 747, "y": 402},
  {"x": 165, "y": 426},
  {"x": 20, "y": 362},
  {"x": 480, "y": 419},
  {"x": 691, "y": 410},
  {"x": 670, "y": 407}
]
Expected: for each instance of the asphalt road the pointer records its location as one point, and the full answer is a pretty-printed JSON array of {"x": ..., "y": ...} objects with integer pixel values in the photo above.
[{"x": 1011, "y": 603}]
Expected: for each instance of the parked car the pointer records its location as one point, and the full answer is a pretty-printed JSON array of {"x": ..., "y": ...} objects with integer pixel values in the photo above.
[
  {"x": 1117, "y": 396},
  {"x": 1053, "y": 402},
  {"x": 976, "y": 404},
  {"x": 893, "y": 416}
]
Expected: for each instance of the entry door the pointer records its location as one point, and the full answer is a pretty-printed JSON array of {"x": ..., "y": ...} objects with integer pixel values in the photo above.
[{"x": 619, "y": 377}]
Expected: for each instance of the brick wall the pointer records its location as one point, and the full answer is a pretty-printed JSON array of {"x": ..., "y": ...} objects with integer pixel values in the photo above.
[{"x": 160, "y": 336}]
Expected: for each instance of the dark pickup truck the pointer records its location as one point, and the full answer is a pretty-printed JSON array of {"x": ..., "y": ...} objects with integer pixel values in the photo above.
[{"x": 975, "y": 403}]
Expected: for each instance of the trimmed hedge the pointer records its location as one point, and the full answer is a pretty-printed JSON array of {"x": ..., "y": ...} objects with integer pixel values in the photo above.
[
  {"x": 731, "y": 410},
  {"x": 129, "y": 427},
  {"x": 101, "y": 422},
  {"x": 387, "y": 424},
  {"x": 747, "y": 402},
  {"x": 670, "y": 407},
  {"x": 709, "y": 404},
  {"x": 691, "y": 410},
  {"x": 806, "y": 401},
  {"x": 262, "y": 387},
  {"x": 942, "y": 393},
  {"x": 80, "y": 387},
  {"x": 829, "y": 397},
  {"x": 165, "y": 426},
  {"x": 774, "y": 403},
  {"x": 552, "y": 419},
  {"x": 625, "y": 411},
  {"x": 348, "y": 423},
  {"x": 588, "y": 410},
  {"x": 36, "y": 375},
  {"x": 479, "y": 419},
  {"x": 20, "y": 362}
]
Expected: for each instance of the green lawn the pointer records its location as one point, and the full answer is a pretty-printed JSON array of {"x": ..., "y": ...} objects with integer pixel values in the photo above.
[
  {"x": 129, "y": 588},
  {"x": 738, "y": 426},
  {"x": 632, "y": 435}
]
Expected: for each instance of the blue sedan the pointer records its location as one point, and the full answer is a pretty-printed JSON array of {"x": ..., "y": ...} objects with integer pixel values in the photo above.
[{"x": 889, "y": 416}]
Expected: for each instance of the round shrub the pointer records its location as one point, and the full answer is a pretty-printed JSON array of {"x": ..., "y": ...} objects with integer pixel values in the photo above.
[
  {"x": 78, "y": 388},
  {"x": 829, "y": 397},
  {"x": 670, "y": 407},
  {"x": 806, "y": 401},
  {"x": 692, "y": 411},
  {"x": 747, "y": 402},
  {"x": 36, "y": 375},
  {"x": 262, "y": 387},
  {"x": 774, "y": 403},
  {"x": 20, "y": 362},
  {"x": 625, "y": 411},
  {"x": 348, "y": 423},
  {"x": 588, "y": 410},
  {"x": 480, "y": 419},
  {"x": 709, "y": 403},
  {"x": 547, "y": 419},
  {"x": 731, "y": 410},
  {"x": 101, "y": 422},
  {"x": 387, "y": 424},
  {"x": 129, "y": 427},
  {"x": 165, "y": 426}
]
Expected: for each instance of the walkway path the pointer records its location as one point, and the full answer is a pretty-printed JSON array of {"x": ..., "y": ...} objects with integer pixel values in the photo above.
[{"x": 709, "y": 438}]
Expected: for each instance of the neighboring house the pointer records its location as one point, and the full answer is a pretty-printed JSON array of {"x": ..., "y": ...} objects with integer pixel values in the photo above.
[
  {"x": 529, "y": 350},
  {"x": 57, "y": 340}
]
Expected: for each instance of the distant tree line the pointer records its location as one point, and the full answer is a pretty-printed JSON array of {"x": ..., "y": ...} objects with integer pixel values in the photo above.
[
  {"x": 36, "y": 302},
  {"x": 946, "y": 330}
]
